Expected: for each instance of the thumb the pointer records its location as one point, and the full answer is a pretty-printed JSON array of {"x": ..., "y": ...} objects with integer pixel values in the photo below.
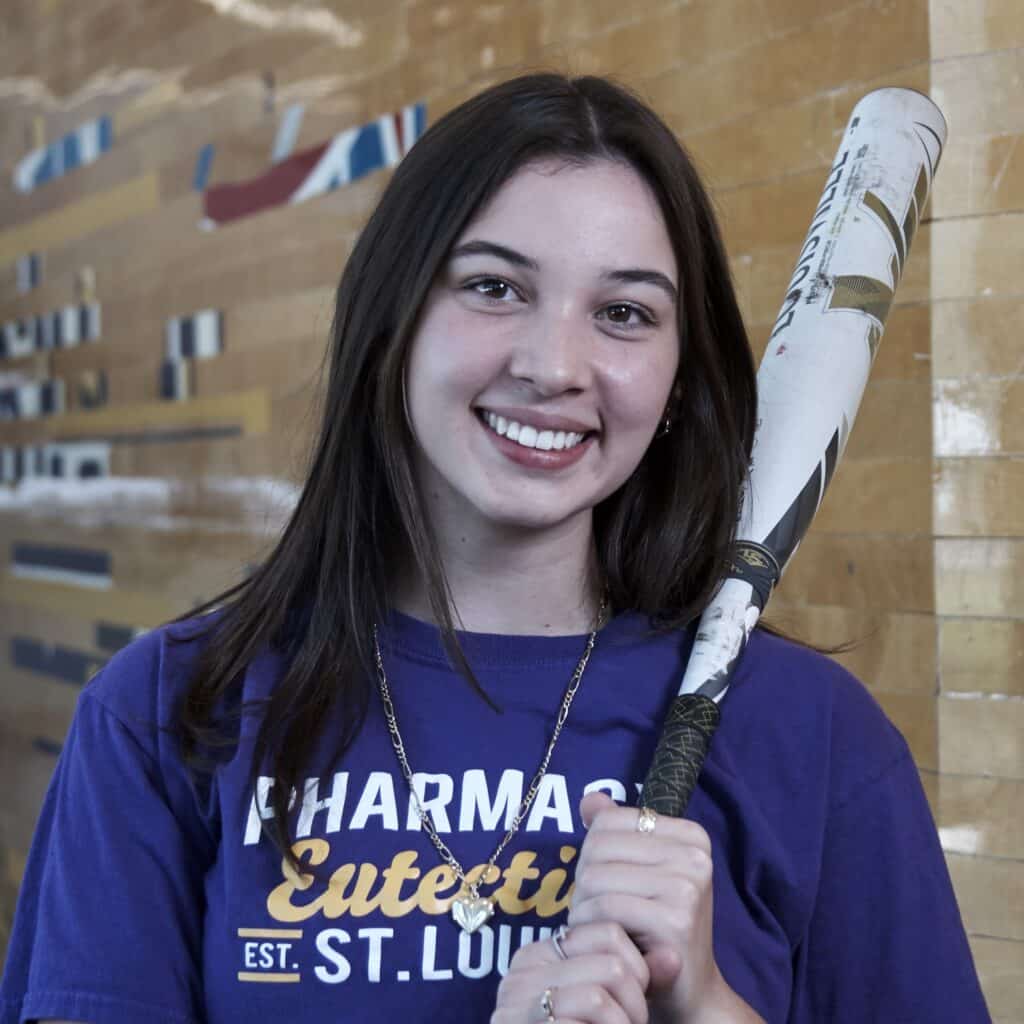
[{"x": 592, "y": 805}]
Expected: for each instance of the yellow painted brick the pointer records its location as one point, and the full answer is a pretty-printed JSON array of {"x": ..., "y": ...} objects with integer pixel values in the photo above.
[
  {"x": 892, "y": 573},
  {"x": 980, "y": 175},
  {"x": 976, "y": 257},
  {"x": 79, "y": 219},
  {"x": 858, "y": 43},
  {"x": 980, "y": 94},
  {"x": 979, "y": 417},
  {"x": 982, "y": 735},
  {"x": 894, "y": 419},
  {"x": 977, "y": 497},
  {"x": 878, "y": 495},
  {"x": 1000, "y": 969},
  {"x": 991, "y": 895},
  {"x": 771, "y": 213},
  {"x": 149, "y": 105},
  {"x": 152, "y": 553},
  {"x": 571, "y": 20},
  {"x": 958, "y": 28},
  {"x": 794, "y": 137},
  {"x": 979, "y": 815},
  {"x": 979, "y": 576},
  {"x": 982, "y": 654},
  {"x": 147, "y": 609},
  {"x": 978, "y": 337}
]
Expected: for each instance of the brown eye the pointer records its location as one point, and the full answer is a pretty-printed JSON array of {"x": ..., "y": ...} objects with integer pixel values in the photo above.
[
  {"x": 620, "y": 314},
  {"x": 490, "y": 288}
]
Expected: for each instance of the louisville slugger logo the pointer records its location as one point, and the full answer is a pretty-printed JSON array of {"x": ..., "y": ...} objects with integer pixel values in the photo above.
[
  {"x": 813, "y": 247},
  {"x": 865, "y": 293}
]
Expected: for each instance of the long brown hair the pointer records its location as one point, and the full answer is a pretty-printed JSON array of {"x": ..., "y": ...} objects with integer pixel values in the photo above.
[{"x": 662, "y": 539}]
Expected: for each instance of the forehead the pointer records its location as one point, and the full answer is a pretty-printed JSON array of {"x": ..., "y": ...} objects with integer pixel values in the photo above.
[{"x": 601, "y": 211}]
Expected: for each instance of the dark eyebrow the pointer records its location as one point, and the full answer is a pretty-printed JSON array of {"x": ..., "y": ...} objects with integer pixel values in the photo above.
[
  {"x": 481, "y": 248},
  {"x": 478, "y": 247},
  {"x": 655, "y": 277}
]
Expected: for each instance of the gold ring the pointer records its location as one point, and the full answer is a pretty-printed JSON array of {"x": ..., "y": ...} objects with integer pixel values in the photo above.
[
  {"x": 547, "y": 1004},
  {"x": 647, "y": 820}
]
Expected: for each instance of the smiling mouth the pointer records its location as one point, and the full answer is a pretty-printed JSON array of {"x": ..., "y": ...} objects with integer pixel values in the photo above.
[{"x": 527, "y": 436}]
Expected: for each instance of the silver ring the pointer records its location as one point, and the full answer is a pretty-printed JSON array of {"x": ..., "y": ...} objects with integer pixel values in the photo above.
[
  {"x": 556, "y": 940},
  {"x": 647, "y": 820},
  {"x": 547, "y": 1004}
]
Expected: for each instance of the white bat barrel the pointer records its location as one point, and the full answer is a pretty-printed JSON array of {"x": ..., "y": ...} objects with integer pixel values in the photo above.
[
  {"x": 810, "y": 384},
  {"x": 819, "y": 354}
]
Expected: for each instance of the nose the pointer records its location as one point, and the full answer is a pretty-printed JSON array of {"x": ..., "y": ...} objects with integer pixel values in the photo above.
[{"x": 553, "y": 353}]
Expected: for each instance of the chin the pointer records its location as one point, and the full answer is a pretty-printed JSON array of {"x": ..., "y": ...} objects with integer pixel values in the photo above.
[{"x": 530, "y": 518}]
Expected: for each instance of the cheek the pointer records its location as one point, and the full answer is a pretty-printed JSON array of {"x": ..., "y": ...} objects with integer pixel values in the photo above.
[
  {"x": 638, "y": 395},
  {"x": 447, "y": 367}
]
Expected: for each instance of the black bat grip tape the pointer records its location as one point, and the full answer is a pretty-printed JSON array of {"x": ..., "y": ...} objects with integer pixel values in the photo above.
[{"x": 689, "y": 726}]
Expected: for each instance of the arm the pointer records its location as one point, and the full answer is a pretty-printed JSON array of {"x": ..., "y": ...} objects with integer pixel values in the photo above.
[
  {"x": 113, "y": 878},
  {"x": 886, "y": 941}
]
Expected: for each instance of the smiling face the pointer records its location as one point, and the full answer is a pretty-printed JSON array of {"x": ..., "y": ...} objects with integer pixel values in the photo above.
[{"x": 554, "y": 317}]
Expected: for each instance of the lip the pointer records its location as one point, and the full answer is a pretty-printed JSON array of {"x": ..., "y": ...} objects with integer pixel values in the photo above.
[
  {"x": 535, "y": 458},
  {"x": 535, "y": 418}
]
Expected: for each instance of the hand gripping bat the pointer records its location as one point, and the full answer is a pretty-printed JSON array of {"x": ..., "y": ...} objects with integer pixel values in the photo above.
[{"x": 809, "y": 385}]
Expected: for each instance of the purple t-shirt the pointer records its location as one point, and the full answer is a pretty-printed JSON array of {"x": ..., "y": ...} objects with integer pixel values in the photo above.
[{"x": 149, "y": 899}]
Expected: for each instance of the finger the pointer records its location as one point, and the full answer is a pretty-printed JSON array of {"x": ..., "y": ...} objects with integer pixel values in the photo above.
[
  {"x": 648, "y": 927},
  {"x": 604, "y": 936},
  {"x": 594, "y": 987},
  {"x": 648, "y": 922},
  {"x": 612, "y": 817},
  {"x": 668, "y": 884},
  {"x": 607, "y": 937},
  {"x": 515, "y": 1016},
  {"x": 646, "y": 852},
  {"x": 593, "y": 1003}
]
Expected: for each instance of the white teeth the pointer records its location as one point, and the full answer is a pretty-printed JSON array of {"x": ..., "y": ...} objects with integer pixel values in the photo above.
[{"x": 531, "y": 437}]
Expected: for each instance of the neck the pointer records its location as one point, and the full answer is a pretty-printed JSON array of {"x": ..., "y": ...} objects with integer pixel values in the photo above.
[{"x": 518, "y": 582}]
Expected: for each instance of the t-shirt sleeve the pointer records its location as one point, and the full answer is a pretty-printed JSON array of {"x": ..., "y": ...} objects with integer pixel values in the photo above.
[
  {"x": 886, "y": 941},
  {"x": 109, "y": 920}
]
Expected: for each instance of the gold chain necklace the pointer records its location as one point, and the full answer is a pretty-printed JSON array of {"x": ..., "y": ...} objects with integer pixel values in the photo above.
[{"x": 469, "y": 909}]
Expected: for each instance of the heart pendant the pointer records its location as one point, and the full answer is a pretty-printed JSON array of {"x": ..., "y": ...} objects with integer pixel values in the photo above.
[{"x": 469, "y": 912}]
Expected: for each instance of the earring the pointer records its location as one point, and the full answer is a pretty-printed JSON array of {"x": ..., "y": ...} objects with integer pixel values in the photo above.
[{"x": 664, "y": 427}]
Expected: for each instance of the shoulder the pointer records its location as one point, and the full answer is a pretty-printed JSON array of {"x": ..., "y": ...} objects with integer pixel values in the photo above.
[
  {"x": 143, "y": 683},
  {"x": 789, "y": 701},
  {"x": 790, "y": 673}
]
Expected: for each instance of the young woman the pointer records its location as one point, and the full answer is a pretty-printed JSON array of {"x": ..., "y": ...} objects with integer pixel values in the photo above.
[{"x": 394, "y": 775}]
